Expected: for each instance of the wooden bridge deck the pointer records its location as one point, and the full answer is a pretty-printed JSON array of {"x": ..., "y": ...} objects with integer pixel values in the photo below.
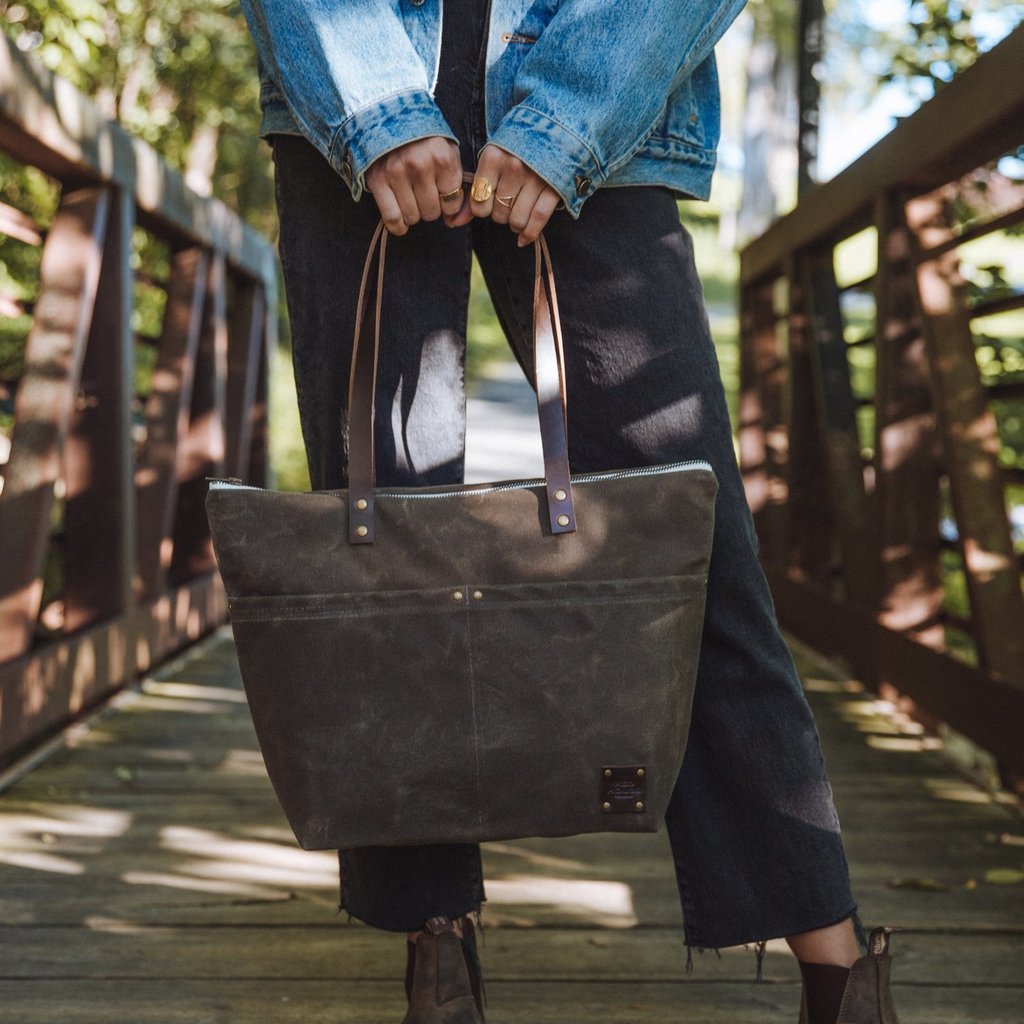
[{"x": 147, "y": 875}]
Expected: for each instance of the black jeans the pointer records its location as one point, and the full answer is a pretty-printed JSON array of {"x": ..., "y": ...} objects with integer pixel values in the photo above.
[{"x": 751, "y": 823}]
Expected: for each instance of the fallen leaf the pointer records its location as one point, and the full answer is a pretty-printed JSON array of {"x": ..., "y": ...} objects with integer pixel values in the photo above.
[
  {"x": 919, "y": 884},
  {"x": 1003, "y": 876}
]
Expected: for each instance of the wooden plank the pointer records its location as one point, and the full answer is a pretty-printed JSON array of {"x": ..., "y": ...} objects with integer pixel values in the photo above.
[
  {"x": 906, "y": 444},
  {"x": 247, "y": 1001},
  {"x": 46, "y": 122},
  {"x": 837, "y": 427},
  {"x": 201, "y": 447},
  {"x": 167, "y": 412},
  {"x": 68, "y": 280},
  {"x": 976, "y": 118},
  {"x": 246, "y": 354},
  {"x": 970, "y": 438},
  {"x": 99, "y": 520},
  {"x": 108, "y": 948}
]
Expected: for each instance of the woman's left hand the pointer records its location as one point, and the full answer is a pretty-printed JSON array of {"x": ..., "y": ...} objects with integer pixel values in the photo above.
[{"x": 517, "y": 197}]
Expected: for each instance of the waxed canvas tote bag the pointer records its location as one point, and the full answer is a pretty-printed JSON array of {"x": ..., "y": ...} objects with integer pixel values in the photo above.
[{"x": 469, "y": 663}]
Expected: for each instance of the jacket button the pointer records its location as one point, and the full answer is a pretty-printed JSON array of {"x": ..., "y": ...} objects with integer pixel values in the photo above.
[
  {"x": 346, "y": 171},
  {"x": 582, "y": 185}
]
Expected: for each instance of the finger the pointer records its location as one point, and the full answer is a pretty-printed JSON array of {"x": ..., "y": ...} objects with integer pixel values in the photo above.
[
  {"x": 464, "y": 216},
  {"x": 389, "y": 209},
  {"x": 506, "y": 193},
  {"x": 488, "y": 172},
  {"x": 452, "y": 205},
  {"x": 428, "y": 200},
  {"x": 406, "y": 201},
  {"x": 542, "y": 210},
  {"x": 524, "y": 204}
]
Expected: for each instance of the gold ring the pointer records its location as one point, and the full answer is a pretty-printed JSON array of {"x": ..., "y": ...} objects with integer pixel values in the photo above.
[
  {"x": 505, "y": 200},
  {"x": 447, "y": 197},
  {"x": 482, "y": 190}
]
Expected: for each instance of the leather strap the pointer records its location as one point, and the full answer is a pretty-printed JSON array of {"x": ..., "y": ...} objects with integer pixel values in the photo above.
[
  {"x": 362, "y": 389},
  {"x": 549, "y": 377}
]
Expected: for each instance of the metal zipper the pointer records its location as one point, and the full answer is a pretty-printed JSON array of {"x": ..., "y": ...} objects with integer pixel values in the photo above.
[{"x": 516, "y": 485}]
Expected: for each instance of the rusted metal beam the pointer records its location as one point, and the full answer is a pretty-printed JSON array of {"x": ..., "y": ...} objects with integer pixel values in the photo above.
[
  {"x": 43, "y": 690},
  {"x": 971, "y": 440},
  {"x": 68, "y": 281},
  {"x": 906, "y": 445},
  {"x": 837, "y": 425},
  {"x": 201, "y": 448},
  {"x": 763, "y": 441},
  {"x": 246, "y": 334},
  {"x": 811, "y": 518},
  {"x": 167, "y": 415},
  {"x": 99, "y": 519},
  {"x": 988, "y": 710}
]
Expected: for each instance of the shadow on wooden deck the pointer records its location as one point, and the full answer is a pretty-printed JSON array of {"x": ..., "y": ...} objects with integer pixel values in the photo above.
[{"x": 147, "y": 875}]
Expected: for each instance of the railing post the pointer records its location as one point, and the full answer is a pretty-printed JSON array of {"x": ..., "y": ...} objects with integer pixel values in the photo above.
[
  {"x": 837, "y": 425},
  {"x": 762, "y": 433},
  {"x": 167, "y": 412},
  {"x": 971, "y": 439},
  {"x": 99, "y": 525},
  {"x": 906, "y": 444},
  {"x": 69, "y": 277},
  {"x": 810, "y": 515},
  {"x": 201, "y": 448}
]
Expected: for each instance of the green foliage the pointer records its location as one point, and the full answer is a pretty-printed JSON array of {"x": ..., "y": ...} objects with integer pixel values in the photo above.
[
  {"x": 181, "y": 75},
  {"x": 939, "y": 42}
]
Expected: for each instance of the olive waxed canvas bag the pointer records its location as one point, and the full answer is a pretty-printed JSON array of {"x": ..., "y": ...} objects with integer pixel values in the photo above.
[{"x": 469, "y": 663}]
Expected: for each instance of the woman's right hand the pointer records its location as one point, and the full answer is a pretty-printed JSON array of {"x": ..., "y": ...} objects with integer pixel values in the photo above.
[{"x": 408, "y": 182}]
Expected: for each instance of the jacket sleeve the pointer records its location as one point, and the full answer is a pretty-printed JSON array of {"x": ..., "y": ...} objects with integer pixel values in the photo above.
[
  {"x": 350, "y": 75},
  {"x": 595, "y": 84}
]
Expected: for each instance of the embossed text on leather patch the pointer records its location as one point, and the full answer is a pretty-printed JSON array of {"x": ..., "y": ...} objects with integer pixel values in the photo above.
[{"x": 624, "y": 789}]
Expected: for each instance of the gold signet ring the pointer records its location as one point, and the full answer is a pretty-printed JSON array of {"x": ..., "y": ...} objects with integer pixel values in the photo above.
[
  {"x": 482, "y": 190},
  {"x": 505, "y": 200},
  {"x": 447, "y": 197}
]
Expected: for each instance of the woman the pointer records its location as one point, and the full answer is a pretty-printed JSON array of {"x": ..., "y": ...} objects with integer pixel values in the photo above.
[{"x": 585, "y": 119}]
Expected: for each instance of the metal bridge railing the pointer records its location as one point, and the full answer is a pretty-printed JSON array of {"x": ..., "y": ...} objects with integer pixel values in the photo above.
[
  {"x": 880, "y": 449},
  {"x": 108, "y": 434}
]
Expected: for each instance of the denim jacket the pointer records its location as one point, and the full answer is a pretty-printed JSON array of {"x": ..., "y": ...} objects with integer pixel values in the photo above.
[{"x": 588, "y": 93}]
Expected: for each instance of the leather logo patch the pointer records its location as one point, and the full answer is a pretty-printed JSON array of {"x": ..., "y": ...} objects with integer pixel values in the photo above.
[{"x": 624, "y": 789}]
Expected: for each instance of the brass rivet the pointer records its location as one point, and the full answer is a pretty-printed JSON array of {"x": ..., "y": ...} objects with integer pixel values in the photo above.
[
  {"x": 559, "y": 495},
  {"x": 607, "y": 773},
  {"x": 361, "y": 531},
  {"x": 641, "y": 772},
  {"x": 478, "y": 595},
  {"x": 457, "y": 595},
  {"x": 562, "y": 520},
  {"x": 639, "y": 805},
  {"x": 361, "y": 504},
  {"x": 606, "y": 806}
]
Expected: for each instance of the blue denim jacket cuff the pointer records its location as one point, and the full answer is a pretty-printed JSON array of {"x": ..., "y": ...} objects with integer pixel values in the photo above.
[
  {"x": 377, "y": 129},
  {"x": 553, "y": 151}
]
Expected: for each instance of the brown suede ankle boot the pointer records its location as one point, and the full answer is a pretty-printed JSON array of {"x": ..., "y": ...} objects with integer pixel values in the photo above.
[
  {"x": 442, "y": 980},
  {"x": 867, "y": 998}
]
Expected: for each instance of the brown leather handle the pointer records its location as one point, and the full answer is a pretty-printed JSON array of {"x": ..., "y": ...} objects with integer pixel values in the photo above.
[{"x": 549, "y": 374}]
